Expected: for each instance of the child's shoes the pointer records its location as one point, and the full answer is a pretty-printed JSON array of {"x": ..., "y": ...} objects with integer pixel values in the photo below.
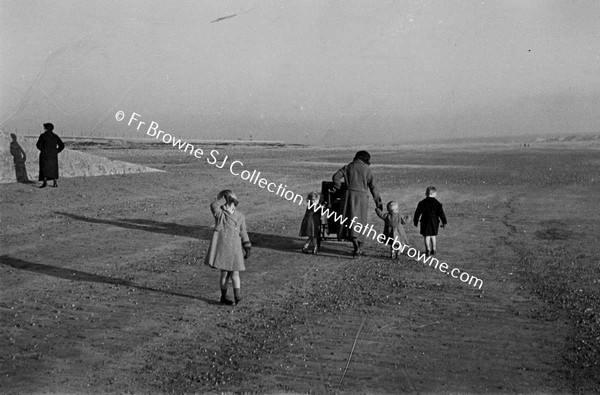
[
  {"x": 224, "y": 299},
  {"x": 237, "y": 294}
]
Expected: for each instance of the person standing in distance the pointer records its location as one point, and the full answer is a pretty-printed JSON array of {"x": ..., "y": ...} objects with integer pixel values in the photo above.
[{"x": 50, "y": 145}]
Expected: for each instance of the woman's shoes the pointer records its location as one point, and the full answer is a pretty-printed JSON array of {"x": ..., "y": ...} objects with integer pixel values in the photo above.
[{"x": 315, "y": 250}]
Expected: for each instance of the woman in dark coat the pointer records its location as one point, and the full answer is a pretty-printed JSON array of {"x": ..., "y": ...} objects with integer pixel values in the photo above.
[
  {"x": 49, "y": 145},
  {"x": 355, "y": 202}
]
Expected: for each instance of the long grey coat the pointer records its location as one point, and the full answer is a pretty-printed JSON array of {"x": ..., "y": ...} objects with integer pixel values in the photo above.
[
  {"x": 50, "y": 146},
  {"x": 225, "y": 251},
  {"x": 355, "y": 202}
]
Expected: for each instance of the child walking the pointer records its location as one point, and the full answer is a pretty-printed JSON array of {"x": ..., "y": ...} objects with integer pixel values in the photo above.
[
  {"x": 430, "y": 211},
  {"x": 393, "y": 225},
  {"x": 230, "y": 244},
  {"x": 311, "y": 224}
]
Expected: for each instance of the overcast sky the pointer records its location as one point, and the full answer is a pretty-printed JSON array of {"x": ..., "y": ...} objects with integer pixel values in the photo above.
[{"x": 323, "y": 72}]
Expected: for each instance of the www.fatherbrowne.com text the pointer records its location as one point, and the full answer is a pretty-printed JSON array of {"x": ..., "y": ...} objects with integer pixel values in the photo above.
[
  {"x": 412, "y": 252},
  {"x": 236, "y": 168}
]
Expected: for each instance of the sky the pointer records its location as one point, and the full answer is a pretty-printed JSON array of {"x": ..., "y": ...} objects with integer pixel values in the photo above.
[{"x": 318, "y": 72}]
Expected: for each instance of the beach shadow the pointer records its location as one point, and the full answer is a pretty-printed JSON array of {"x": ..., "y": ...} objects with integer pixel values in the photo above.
[
  {"x": 77, "y": 275},
  {"x": 19, "y": 158},
  {"x": 262, "y": 240}
]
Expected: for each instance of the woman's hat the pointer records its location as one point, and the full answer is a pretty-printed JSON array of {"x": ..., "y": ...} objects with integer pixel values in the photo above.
[{"x": 363, "y": 156}]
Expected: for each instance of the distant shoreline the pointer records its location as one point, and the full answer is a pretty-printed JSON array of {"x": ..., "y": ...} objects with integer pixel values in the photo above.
[{"x": 524, "y": 142}]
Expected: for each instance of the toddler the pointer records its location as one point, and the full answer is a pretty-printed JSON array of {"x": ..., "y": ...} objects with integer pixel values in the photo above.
[
  {"x": 393, "y": 225},
  {"x": 311, "y": 224}
]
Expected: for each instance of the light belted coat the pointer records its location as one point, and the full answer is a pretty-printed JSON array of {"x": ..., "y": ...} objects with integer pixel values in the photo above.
[{"x": 225, "y": 251}]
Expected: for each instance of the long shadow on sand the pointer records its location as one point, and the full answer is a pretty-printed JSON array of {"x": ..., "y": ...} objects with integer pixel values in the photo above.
[
  {"x": 76, "y": 275},
  {"x": 19, "y": 158},
  {"x": 274, "y": 242}
]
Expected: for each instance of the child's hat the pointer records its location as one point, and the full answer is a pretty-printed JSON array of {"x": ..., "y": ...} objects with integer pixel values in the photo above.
[{"x": 230, "y": 197}]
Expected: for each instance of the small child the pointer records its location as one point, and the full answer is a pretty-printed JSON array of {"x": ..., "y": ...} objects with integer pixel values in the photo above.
[
  {"x": 230, "y": 244},
  {"x": 430, "y": 211},
  {"x": 393, "y": 225},
  {"x": 311, "y": 224}
]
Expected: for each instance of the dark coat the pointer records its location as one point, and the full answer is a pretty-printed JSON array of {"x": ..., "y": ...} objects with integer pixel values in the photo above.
[
  {"x": 430, "y": 211},
  {"x": 49, "y": 145},
  {"x": 393, "y": 225},
  {"x": 225, "y": 251},
  {"x": 355, "y": 202},
  {"x": 311, "y": 223}
]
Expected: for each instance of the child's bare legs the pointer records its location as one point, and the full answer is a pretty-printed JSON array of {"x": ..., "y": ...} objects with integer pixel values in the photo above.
[
  {"x": 401, "y": 250},
  {"x": 234, "y": 276},
  {"x": 430, "y": 244},
  {"x": 427, "y": 240},
  {"x": 357, "y": 247},
  {"x": 235, "y": 279},
  {"x": 237, "y": 292},
  {"x": 315, "y": 242},
  {"x": 306, "y": 245}
]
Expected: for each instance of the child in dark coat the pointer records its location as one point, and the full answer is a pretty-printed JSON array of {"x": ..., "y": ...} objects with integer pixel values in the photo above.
[
  {"x": 230, "y": 244},
  {"x": 311, "y": 224},
  {"x": 430, "y": 211},
  {"x": 393, "y": 225}
]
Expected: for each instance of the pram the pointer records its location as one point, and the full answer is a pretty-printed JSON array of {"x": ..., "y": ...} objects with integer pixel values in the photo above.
[{"x": 333, "y": 201}]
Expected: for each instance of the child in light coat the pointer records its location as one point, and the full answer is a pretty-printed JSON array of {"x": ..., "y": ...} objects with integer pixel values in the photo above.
[
  {"x": 393, "y": 225},
  {"x": 230, "y": 244}
]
